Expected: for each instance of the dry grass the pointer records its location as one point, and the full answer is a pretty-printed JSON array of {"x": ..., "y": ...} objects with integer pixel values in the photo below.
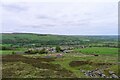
[{"x": 20, "y": 66}]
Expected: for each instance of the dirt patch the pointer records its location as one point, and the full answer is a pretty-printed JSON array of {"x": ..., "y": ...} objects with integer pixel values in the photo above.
[
  {"x": 15, "y": 58},
  {"x": 79, "y": 63},
  {"x": 36, "y": 62}
]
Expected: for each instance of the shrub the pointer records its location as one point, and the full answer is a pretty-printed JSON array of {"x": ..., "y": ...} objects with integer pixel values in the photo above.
[
  {"x": 43, "y": 51},
  {"x": 58, "y": 49},
  {"x": 13, "y": 52},
  {"x": 31, "y": 52},
  {"x": 6, "y": 48}
]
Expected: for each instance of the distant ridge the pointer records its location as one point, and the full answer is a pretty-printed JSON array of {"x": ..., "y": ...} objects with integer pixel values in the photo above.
[{"x": 59, "y": 34}]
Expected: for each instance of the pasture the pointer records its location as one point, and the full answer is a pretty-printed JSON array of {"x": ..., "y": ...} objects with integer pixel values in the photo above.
[{"x": 98, "y": 50}]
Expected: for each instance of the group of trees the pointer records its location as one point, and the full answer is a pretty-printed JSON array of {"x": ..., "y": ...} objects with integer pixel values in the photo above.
[
  {"x": 58, "y": 49},
  {"x": 6, "y": 48},
  {"x": 26, "y": 40},
  {"x": 42, "y": 51}
]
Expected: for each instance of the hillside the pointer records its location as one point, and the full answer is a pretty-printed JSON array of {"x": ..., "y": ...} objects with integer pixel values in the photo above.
[{"x": 49, "y": 39}]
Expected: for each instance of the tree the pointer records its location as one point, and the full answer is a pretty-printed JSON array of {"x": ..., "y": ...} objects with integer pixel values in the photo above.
[
  {"x": 13, "y": 52},
  {"x": 31, "y": 52},
  {"x": 58, "y": 49},
  {"x": 43, "y": 51}
]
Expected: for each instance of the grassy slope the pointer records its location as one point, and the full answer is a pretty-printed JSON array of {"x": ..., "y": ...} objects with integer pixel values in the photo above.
[
  {"x": 48, "y": 37},
  {"x": 98, "y": 50},
  {"x": 34, "y": 37},
  {"x": 64, "y": 62},
  {"x": 32, "y": 68}
]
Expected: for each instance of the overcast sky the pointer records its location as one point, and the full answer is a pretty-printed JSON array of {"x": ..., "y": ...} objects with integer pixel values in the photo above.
[{"x": 62, "y": 17}]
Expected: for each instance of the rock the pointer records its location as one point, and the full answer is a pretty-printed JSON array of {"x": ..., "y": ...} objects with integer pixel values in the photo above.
[
  {"x": 96, "y": 69},
  {"x": 92, "y": 75},
  {"x": 83, "y": 71},
  {"x": 114, "y": 76},
  {"x": 107, "y": 77},
  {"x": 103, "y": 76},
  {"x": 86, "y": 74},
  {"x": 111, "y": 72},
  {"x": 110, "y": 77},
  {"x": 92, "y": 71},
  {"x": 98, "y": 73}
]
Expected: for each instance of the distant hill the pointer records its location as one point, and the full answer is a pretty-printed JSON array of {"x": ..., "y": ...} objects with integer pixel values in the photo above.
[{"x": 49, "y": 39}]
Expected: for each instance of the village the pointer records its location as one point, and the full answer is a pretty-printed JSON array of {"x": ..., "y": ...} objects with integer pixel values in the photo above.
[{"x": 52, "y": 50}]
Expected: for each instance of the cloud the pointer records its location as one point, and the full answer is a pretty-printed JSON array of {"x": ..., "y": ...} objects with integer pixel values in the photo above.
[
  {"x": 60, "y": 18},
  {"x": 13, "y": 7},
  {"x": 43, "y": 17},
  {"x": 59, "y": 0}
]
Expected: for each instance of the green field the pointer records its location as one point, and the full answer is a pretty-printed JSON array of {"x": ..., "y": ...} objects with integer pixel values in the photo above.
[
  {"x": 91, "y": 50},
  {"x": 4, "y": 52},
  {"x": 98, "y": 50}
]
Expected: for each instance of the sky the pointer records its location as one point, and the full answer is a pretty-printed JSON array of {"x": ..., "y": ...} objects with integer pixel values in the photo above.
[{"x": 65, "y": 17}]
